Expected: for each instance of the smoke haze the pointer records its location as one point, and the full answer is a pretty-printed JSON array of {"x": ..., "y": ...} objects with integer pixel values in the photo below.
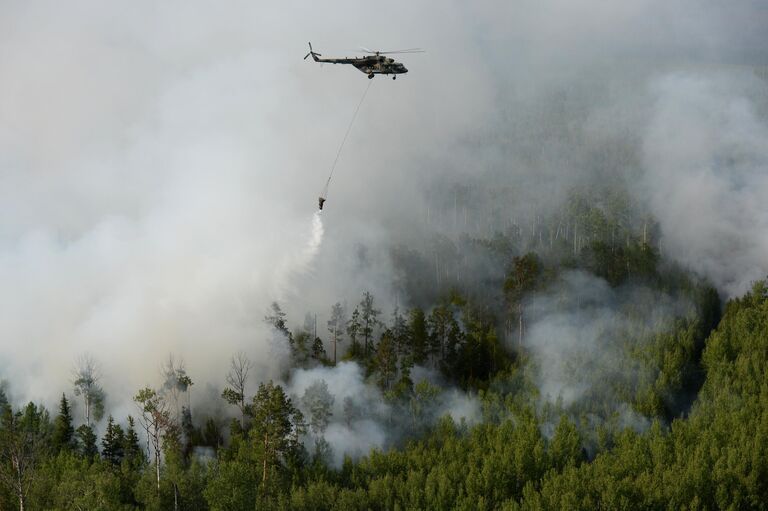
[{"x": 160, "y": 164}]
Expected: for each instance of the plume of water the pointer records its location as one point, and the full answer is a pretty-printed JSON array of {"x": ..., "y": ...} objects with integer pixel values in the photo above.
[{"x": 302, "y": 261}]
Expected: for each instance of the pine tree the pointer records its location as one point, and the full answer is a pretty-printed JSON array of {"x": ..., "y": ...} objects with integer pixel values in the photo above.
[
  {"x": 277, "y": 319},
  {"x": 336, "y": 326},
  {"x": 318, "y": 350},
  {"x": 131, "y": 448},
  {"x": 353, "y": 330},
  {"x": 63, "y": 438},
  {"x": 386, "y": 360},
  {"x": 439, "y": 324},
  {"x": 400, "y": 334},
  {"x": 369, "y": 320},
  {"x": 113, "y": 443},
  {"x": 277, "y": 425},
  {"x": 87, "y": 442}
]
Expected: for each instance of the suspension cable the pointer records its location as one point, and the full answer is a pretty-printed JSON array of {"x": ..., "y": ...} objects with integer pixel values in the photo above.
[{"x": 324, "y": 193}]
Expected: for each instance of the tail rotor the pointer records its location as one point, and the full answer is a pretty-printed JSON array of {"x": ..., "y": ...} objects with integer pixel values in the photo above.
[{"x": 313, "y": 53}]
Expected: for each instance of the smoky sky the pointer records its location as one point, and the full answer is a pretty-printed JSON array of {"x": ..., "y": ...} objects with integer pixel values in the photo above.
[{"x": 160, "y": 163}]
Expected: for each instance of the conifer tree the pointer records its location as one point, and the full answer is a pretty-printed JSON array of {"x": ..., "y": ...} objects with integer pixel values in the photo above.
[
  {"x": 369, "y": 320},
  {"x": 63, "y": 437},
  {"x": 277, "y": 425},
  {"x": 386, "y": 360},
  {"x": 131, "y": 448},
  {"x": 87, "y": 442},
  {"x": 353, "y": 331},
  {"x": 336, "y": 326},
  {"x": 277, "y": 319},
  {"x": 318, "y": 350},
  {"x": 113, "y": 443},
  {"x": 419, "y": 337}
]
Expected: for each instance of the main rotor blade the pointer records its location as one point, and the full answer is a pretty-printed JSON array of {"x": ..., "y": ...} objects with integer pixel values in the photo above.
[{"x": 407, "y": 50}]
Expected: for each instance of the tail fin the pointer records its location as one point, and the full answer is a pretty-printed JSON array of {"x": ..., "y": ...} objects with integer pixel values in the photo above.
[{"x": 313, "y": 53}]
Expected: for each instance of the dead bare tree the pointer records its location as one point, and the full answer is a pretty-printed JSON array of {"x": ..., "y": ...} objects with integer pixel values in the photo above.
[{"x": 237, "y": 378}]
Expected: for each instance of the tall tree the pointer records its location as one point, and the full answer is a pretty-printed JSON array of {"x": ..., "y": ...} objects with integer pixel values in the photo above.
[
  {"x": 156, "y": 420},
  {"x": 419, "y": 337},
  {"x": 63, "y": 438},
  {"x": 277, "y": 425},
  {"x": 353, "y": 331},
  {"x": 369, "y": 319},
  {"x": 86, "y": 383},
  {"x": 237, "y": 379},
  {"x": 401, "y": 334},
  {"x": 520, "y": 280},
  {"x": 113, "y": 443},
  {"x": 131, "y": 448},
  {"x": 336, "y": 326},
  {"x": 386, "y": 360},
  {"x": 446, "y": 338},
  {"x": 439, "y": 325}
]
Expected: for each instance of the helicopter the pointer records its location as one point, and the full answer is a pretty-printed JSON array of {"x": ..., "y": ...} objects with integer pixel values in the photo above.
[{"x": 373, "y": 64}]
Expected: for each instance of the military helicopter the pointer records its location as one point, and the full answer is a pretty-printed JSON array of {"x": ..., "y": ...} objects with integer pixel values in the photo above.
[{"x": 373, "y": 64}]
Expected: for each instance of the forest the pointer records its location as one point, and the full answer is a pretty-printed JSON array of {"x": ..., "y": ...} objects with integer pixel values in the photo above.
[{"x": 658, "y": 402}]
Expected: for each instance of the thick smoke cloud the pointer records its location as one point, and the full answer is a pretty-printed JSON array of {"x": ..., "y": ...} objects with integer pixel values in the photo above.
[
  {"x": 706, "y": 159},
  {"x": 159, "y": 165}
]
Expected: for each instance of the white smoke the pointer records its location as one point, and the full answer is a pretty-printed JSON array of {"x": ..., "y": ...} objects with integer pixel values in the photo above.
[
  {"x": 581, "y": 334},
  {"x": 362, "y": 419},
  {"x": 158, "y": 163},
  {"x": 293, "y": 267},
  {"x": 352, "y": 434},
  {"x": 706, "y": 175}
]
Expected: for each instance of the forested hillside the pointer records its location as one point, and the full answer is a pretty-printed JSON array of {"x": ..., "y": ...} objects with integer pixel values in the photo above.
[
  {"x": 244, "y": 268},
  {"x": 669, "y": 410}
]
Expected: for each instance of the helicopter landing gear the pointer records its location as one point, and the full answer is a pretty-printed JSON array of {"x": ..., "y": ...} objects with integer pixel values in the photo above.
[{"x": 370, "y": 75}]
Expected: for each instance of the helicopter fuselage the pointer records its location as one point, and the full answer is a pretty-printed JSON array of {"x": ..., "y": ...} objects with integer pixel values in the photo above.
[{"x": 372, "y": 65}]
